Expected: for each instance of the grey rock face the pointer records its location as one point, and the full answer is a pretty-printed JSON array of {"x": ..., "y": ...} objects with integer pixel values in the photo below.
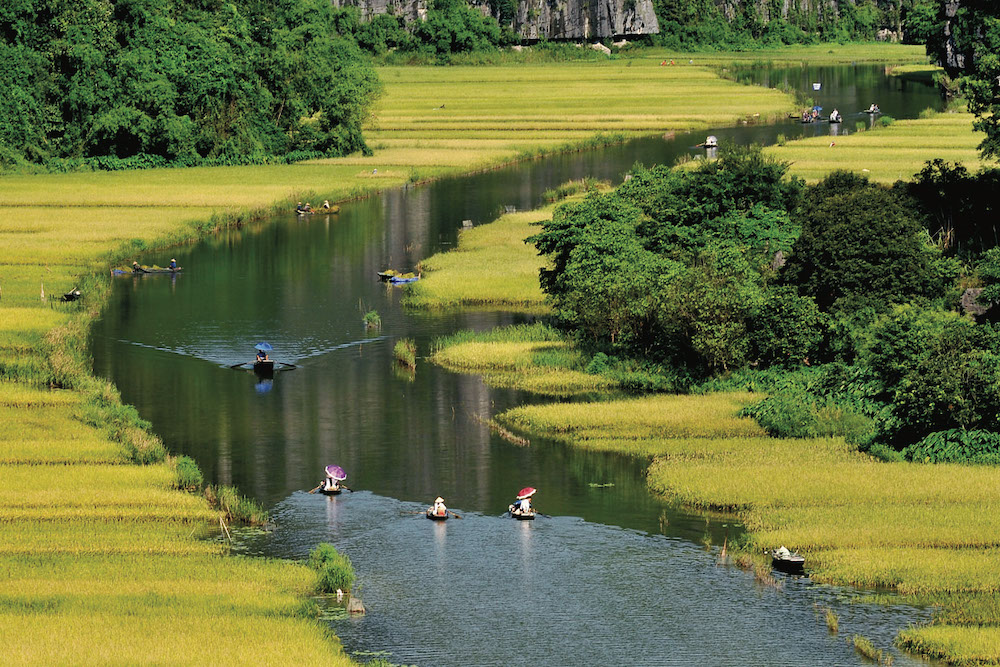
[{"x": 542, "y": 19}]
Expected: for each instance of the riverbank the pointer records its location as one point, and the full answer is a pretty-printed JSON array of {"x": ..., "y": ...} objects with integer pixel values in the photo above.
[
  {"x": 918, "y": 530},
  {"x": 109, "y": 548}
]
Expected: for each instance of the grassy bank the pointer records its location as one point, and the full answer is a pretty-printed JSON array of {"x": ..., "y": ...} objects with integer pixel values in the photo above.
[
  {"x": 927, "y": 532},
  {"x": 492, "y": 267},
  {"x": 110, "y": 550}
]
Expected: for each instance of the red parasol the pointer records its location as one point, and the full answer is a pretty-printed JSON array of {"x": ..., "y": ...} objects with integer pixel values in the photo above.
[{"x": 526, "y": 492}]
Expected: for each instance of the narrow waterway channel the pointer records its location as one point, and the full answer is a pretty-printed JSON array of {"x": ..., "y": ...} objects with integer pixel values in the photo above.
[{"x": 615, "y": 576}]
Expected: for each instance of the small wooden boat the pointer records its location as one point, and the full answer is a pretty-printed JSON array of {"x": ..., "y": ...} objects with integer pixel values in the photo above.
[
  {"x": 144, "y": 270},
  {"x": 265, "y": 368},
  {"x": 787, "y": 561},
  {"x": 436, "y": 517},
  {"x": 522, "y": 516},
  {"x": 336, "y": 491},
  {"x": 400, "y": 280}
]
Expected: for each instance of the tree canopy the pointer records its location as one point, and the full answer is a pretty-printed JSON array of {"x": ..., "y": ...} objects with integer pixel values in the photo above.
[{"x": 182, "y": 79}]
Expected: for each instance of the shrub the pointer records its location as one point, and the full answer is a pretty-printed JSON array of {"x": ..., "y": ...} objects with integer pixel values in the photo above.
[
  {"x": 956, "y": 446},
  {"x": 334, "y": 569},
  {"x": 189, "y": 475},
  {"x": 795, "y": 413}
]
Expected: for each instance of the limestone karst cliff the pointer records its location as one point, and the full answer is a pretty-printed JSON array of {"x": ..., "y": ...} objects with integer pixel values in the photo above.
[{"x": 543, "y": 19}]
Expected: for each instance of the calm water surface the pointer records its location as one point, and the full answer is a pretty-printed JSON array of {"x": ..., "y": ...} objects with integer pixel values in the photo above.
[{"x": 614, "y": 576}]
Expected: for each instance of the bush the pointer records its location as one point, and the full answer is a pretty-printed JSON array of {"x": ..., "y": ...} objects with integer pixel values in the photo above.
[
  {"x": 795, "y": 413},
  {"x": 334, "y": 569},
  {"x": 189, "y": 475},
  {"x": 956, "y": 446}
]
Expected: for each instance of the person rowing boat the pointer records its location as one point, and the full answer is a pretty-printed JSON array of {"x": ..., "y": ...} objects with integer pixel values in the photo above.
[{"x": 438, "y": 510}]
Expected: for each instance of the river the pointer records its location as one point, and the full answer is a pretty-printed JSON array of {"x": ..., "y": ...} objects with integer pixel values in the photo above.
[{"x": 615, "y": 575}]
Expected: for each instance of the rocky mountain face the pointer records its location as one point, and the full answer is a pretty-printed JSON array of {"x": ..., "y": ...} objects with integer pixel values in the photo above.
[{"x": 543, "y": 19}]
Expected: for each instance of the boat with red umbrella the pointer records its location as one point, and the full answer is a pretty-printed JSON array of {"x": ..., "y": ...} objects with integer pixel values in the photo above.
[
  {"x": 521, "y": 509},
  {"x": 332, "y": 485}
]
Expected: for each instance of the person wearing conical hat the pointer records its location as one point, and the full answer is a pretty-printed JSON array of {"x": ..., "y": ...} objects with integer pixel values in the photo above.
[
  {"x": 173, "y": 264},
  {"x": 439, "y": 509}
]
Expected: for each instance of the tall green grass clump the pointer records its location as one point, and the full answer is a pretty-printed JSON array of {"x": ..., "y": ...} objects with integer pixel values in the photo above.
[
  {"x": 865, "y": 648},
  {"x": 235, "y": 507},
  {"x": 372, "y": 320},
  {"x": 189, "y": 477},
  {"x": 334, "y": 569},
  {"x": 405, "y": 352}
]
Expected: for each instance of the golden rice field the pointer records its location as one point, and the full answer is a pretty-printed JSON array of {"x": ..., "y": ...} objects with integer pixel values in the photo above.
[
  {"x": 886, "y": 154},
  {"x": 922, "y": 530},
  {"x": 475, "y": 115},
  {"x": 491, "y": 267},
  {"x": 104, "y": 562},
  {"x": 516, "y": 365}
]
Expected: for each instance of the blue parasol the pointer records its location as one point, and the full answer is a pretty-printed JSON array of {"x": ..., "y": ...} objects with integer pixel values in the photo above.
[
  {"x": 336, "y": 472},
  {"x": 263, "y": 347},
  {"x": 817, "y": 108}
]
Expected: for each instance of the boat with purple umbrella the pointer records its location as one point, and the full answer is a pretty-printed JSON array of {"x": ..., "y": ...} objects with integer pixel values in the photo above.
[{"x": 333, "y": 484}]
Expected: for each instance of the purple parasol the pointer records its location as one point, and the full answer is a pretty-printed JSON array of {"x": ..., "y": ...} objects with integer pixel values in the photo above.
[{"x": 336, "y": 472}]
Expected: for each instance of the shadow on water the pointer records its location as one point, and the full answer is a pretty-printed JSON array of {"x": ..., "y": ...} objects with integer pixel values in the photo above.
[{"x": 617, "y": 575}]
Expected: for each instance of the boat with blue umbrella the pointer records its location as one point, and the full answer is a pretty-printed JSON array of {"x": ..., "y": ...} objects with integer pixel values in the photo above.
[{"x": 263, "y": 364}]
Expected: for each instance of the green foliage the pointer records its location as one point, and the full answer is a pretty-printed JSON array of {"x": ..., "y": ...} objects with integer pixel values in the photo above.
[
  {"x": 746, "y": 25},
  {"x": 787, "y": 328},
  {"x": 452, "y": 26},
  {"x": 960, "y": 208},
  {"x": 674, "y": 264},
  {"x": 989, "y": 273},
  {"x": 189, "y": 475},
  {"x": 862, "y": 245},
  {"x": 956, "y": 446},
  {"x": 147, "y": 83},
  {"x": 938, "y": 371},
  {"x": 334, "y": 570},
  {"x": 793, "y": 413}
]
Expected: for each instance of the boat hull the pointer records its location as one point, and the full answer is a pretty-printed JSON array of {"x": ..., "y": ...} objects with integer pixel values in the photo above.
[
  {"x": 436, "y": 517},
  {"x": 793, "y": 564},
  {"x": 331, "y": 492},
  {"x": 264, "y": 368}
]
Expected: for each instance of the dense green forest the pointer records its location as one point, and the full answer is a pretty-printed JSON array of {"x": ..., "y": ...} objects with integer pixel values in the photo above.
[
  {"x": 841, "y": 299},
  {"x": 147, "y": 82}
]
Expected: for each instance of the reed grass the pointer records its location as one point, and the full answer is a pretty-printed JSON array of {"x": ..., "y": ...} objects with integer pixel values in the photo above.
[
  {"x": 405, "y": 352},
  {"x": 832, "y": 621}
]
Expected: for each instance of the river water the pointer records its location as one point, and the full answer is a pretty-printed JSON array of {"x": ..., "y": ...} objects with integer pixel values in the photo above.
[{"x": 614, "y": 575}]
